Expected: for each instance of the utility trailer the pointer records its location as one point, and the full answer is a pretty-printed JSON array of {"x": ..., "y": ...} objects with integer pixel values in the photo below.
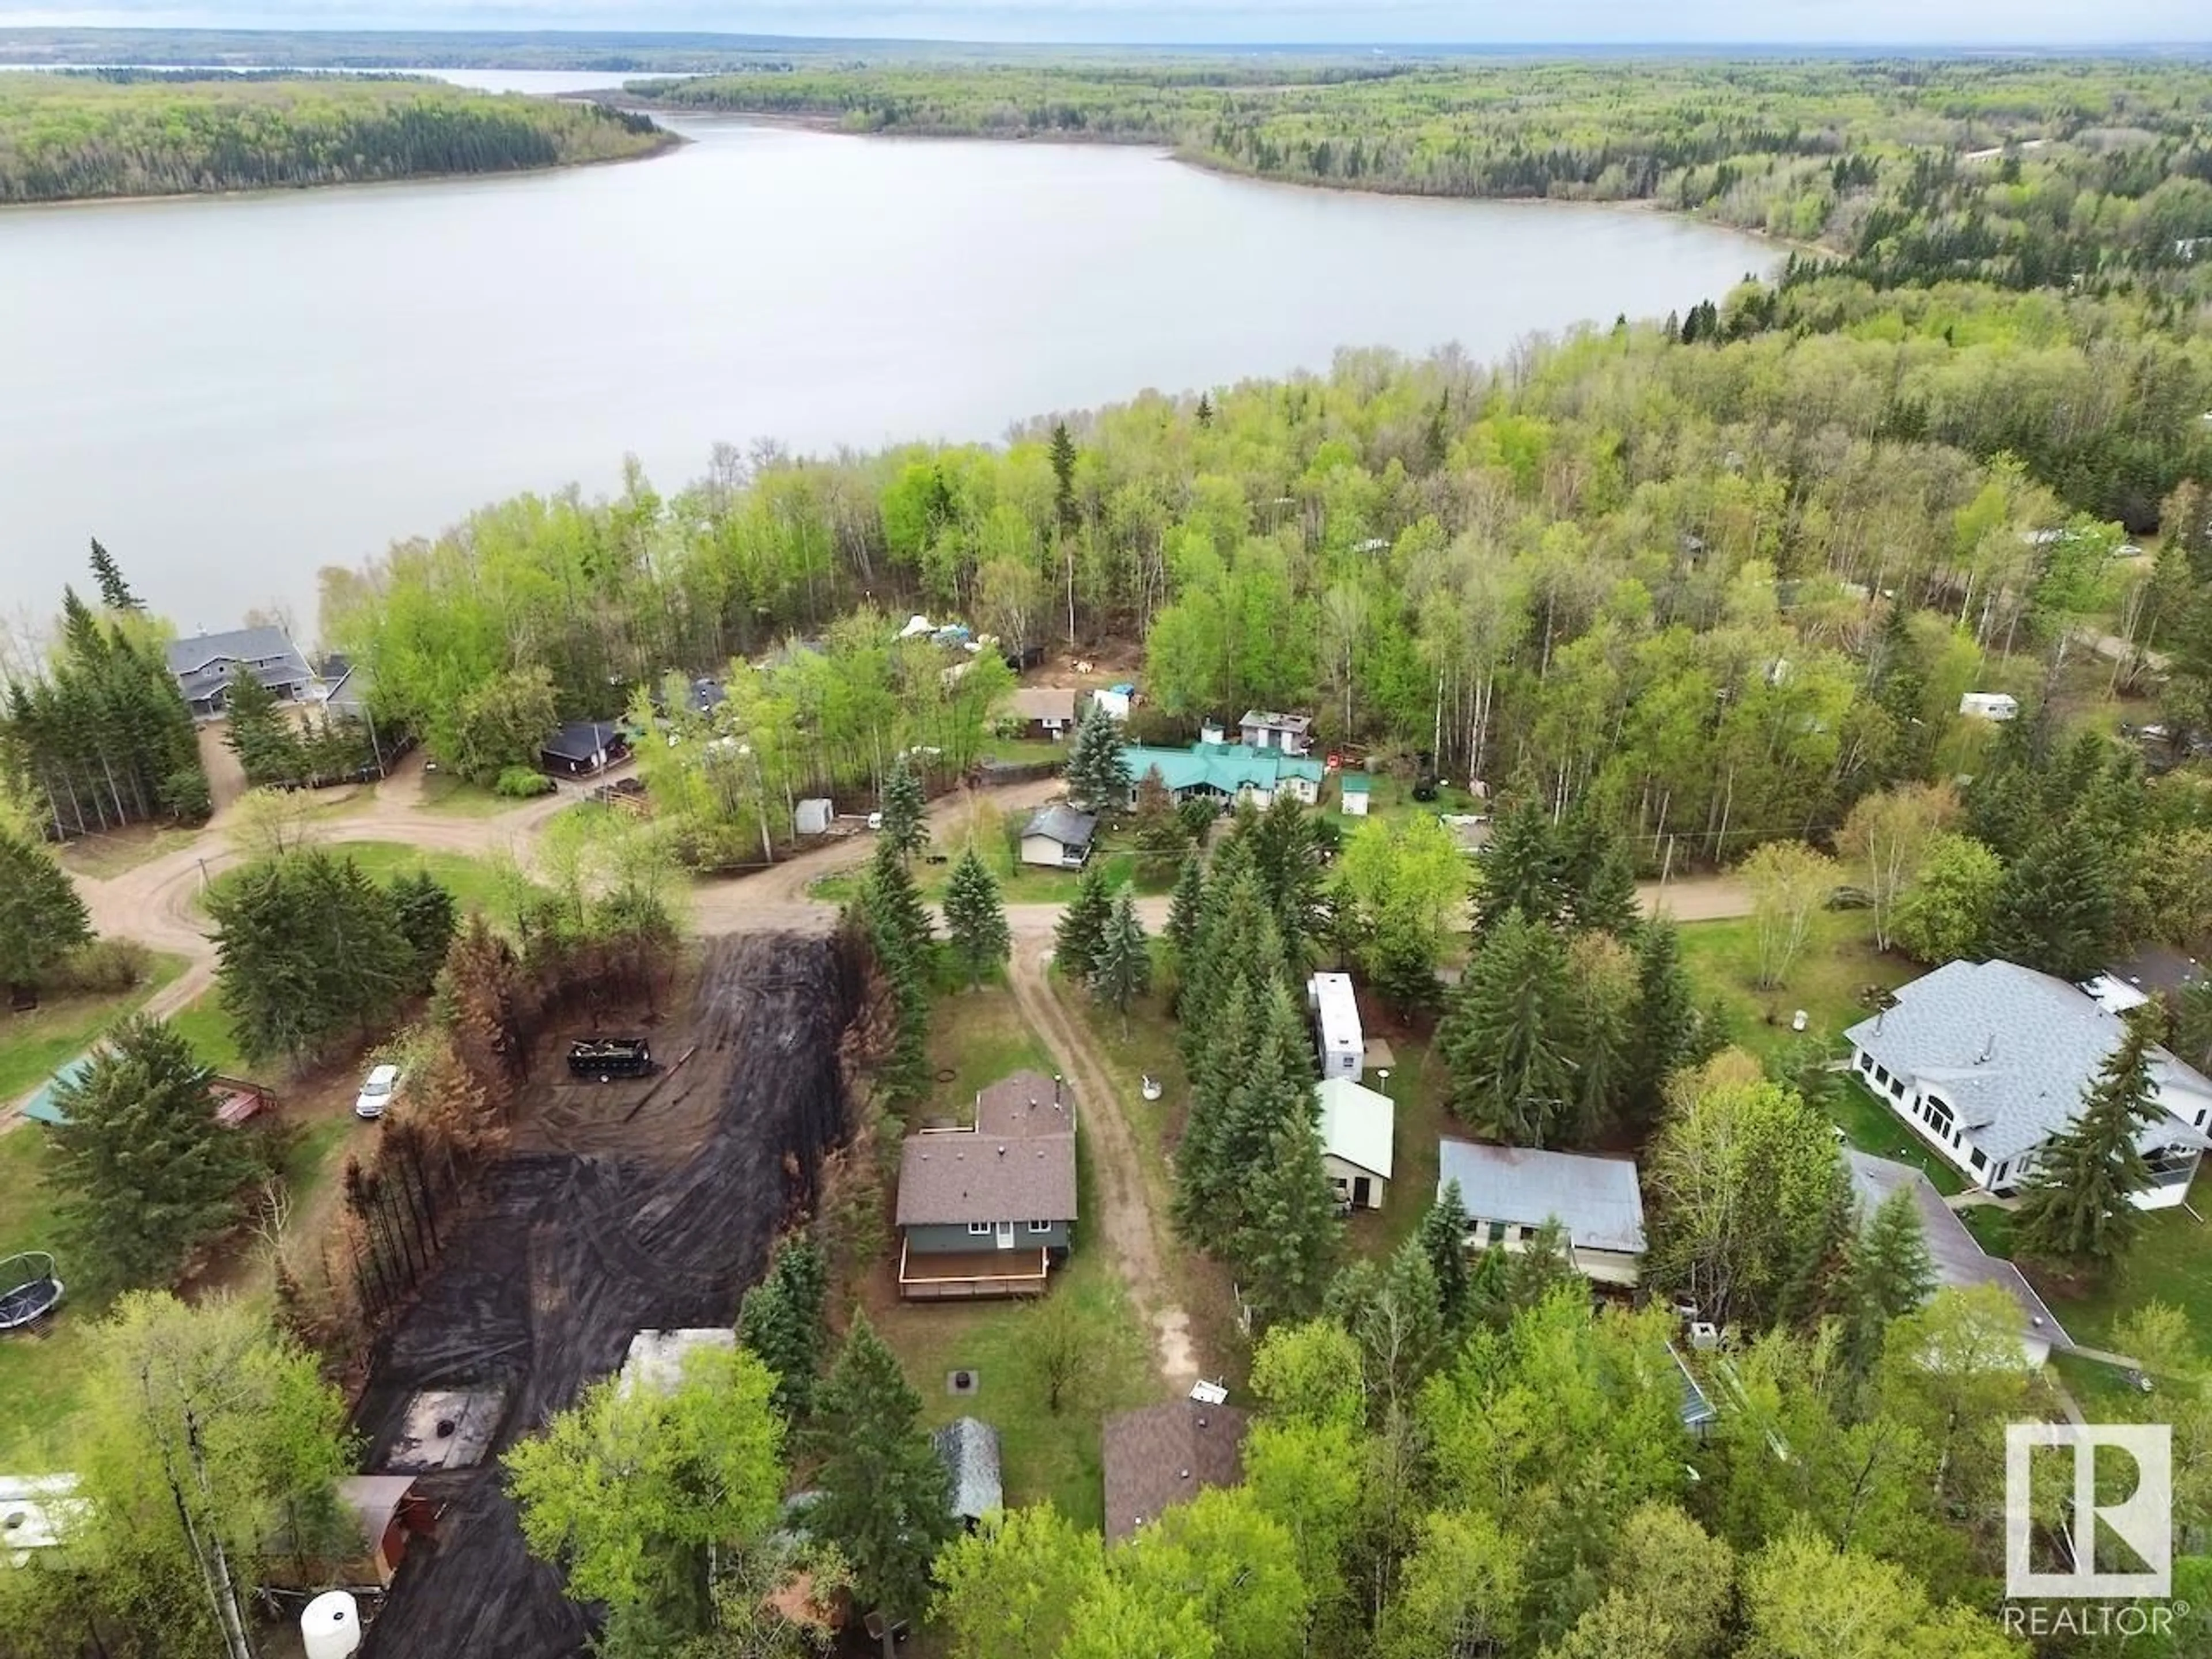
[{"x": 609, "y": 1058}]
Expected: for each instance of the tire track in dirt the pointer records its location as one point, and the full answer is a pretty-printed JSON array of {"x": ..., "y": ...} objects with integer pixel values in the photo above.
[{"x": 1126, "y": 1221}]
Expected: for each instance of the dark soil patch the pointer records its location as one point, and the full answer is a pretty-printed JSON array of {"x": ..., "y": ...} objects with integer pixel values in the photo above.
[{"x": 603, "y": 1222}]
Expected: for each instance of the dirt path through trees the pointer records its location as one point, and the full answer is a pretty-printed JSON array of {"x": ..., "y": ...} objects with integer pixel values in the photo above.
[{"x": 1125, "y": 1220}]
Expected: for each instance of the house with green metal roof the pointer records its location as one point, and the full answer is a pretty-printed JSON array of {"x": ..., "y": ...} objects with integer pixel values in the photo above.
[{"x": 1226, "y": 772}]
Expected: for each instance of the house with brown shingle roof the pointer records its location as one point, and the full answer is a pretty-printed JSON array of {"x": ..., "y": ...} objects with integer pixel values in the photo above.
[
  {"x": 1161, "y": 1455},
  {"x": 986, "y": 1210}
]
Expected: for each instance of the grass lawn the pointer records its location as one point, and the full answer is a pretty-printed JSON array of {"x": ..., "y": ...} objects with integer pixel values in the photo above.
[
  {"x": 975, "y": 1038},
  {"x": 39, "y": 1376},
  {"x": 1044, "y": 1454},
  {"x": 32, "y": 1045},
  {"x": 453, "y": 794},
  {"x": 1024, "y": 752},
  {"x": 1418, "y": 1084},
  {"x": 1018, "y": 883},
  {"x": 474, "y": 882},
  {"x": 207, "y": 1027},
  {"x": 100, "y": 856},
  {"x": 1390, "y": 797}
]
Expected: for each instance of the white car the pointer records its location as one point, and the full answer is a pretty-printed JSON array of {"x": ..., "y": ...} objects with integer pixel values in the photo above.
[{"x": 376, "y": 1092}]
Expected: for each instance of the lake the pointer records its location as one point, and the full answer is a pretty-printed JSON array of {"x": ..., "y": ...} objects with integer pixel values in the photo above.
[{"x": 234, "y": 392}]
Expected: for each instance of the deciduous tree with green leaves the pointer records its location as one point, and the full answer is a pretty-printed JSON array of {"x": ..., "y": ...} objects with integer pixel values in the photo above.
[
  {"x": 1789, "y": 882},
  {"x": 1011, "y": 1589},
  {"x": 1944, "y": 913}
]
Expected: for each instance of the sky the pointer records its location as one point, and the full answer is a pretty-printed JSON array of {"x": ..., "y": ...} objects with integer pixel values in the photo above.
[{"x": 1350, "y": 23}]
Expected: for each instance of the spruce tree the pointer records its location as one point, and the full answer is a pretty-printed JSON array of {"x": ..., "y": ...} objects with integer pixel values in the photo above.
[
  {"x": 886, "y": 1499},
  {"x": 781, "y": 1320},
  {"x": 1597, "y": 876},
  {"x": 1185, "y": 910},
  {"x": 1508, "y": 1036},
  {"x": 257, "y": 730},
  {"x": 1666, "y": 1023},
  {"x": 1062, "y": 454},
  {"x": 1890, "y": 1274},
  {"x": 893, "y": 903},
  {"x": 1082, "y": 925},
  {"x": 1284, "y": 1251},
  {"x": 115, "y": 592},
  {"x": 1519, "y": 868},
  {"x": 904, "y": 807},
  {"x": 1276, "y": 1087},
  {"x": 2076, "y": 1205},
  {"x": 1162, "y": 842},
  {"x": 1121, "y": 968},
  {"x": 308, "y": 948},
  {"x": 976, "y": 918},
  {"x": 146, "y": 1171},
  {"x": 1201, "y": 1182},
  {"x": 1286, "y": 854},
  {"x": 1443, "y": 1236},
  {"x": 1097, "y": 771},
  {"x": 423, "y": 908},
  {"x": 41, "y": 917},
  {"x": 2058, "y": 910}
]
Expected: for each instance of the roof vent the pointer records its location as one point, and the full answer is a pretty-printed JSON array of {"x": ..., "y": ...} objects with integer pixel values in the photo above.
[
  {"x": 1186, "y": 1474},
  {"x": 1002, "y": 1151}
]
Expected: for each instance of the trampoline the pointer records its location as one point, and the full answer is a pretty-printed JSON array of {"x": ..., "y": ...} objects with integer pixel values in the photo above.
[{"x": 28, "y": 1289}]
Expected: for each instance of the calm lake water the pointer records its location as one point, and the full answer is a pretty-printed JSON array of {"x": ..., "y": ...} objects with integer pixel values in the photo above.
[{"x": 232, "y": 393}]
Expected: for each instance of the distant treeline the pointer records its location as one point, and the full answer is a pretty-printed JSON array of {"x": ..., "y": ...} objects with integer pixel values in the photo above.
[
  {"x": 68, "y": 137},
  {"x": 2026, "y": 172}
]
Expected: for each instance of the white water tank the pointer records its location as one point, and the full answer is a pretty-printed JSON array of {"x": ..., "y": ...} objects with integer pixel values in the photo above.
[{"x": 330, "y": 1626}]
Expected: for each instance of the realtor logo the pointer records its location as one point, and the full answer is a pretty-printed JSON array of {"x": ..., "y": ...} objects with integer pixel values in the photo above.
[{"x": 2142, "y": 1521}]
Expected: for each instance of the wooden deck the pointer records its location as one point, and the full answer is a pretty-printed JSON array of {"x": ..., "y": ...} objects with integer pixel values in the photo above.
[{"x": 965, "y": 1275}]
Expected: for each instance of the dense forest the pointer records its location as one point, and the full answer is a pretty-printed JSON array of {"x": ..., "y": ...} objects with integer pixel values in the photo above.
[
  {"x": 1724, "y": 587},
  {"x": 68, "y": 137},
  {"x": 2023, "y": 173}
]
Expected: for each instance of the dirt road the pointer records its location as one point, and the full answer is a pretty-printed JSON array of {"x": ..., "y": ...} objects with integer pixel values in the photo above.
[{"x": 1125, "y": 1220}]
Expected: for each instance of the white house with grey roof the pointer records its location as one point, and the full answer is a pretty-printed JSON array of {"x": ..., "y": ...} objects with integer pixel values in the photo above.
[
  {"x": 1358, "y": 1126},
  {"x": 1987, "y": 1061},
  {"x": 1508, "y": 1193},
  {"x": 205, "y": 665},
  {"x": 1958, "y": 1258}
]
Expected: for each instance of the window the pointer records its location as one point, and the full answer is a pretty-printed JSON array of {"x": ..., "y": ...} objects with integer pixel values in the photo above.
[
  {"x": 1979, "y": 1163},
  {"x": 980, "y": 1229},
  {"x": 1938, "y": 1115},
  {"x": 1866, "y": 1060},
  {"x": 1897, "y": 1087},
  {"x": 1040, "y": 1226}
]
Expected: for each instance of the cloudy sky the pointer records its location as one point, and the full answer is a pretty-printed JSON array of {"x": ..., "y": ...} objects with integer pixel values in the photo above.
[{"x": 1336, "y": 22}]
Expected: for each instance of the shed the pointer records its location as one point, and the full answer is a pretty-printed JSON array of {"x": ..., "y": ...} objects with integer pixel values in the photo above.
[
  {"x": 813, "y": 816},
  {"x": 1263, "y": 728},
  {"x": 1046, "y": 711},
  {"x": 969, "y": 1449},
  {"x": 1115, "y": 700},
  {"x": 1335, "y": 1009},
  {"x": 1353, "y": 790},
  {"x": 1358, "y": 1128}
]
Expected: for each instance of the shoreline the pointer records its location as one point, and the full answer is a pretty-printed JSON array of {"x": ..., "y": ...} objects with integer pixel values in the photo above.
[
  {"x": 1169, "y": 150},
  {"x": 669, "y": 142}
]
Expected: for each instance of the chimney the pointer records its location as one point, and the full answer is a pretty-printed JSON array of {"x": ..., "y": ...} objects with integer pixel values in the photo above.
[
  {"x": 1055, "y": 1089},
  {"x": 1989, "y": 1050}
]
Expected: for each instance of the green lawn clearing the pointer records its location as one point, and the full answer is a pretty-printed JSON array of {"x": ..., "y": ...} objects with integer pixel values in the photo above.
[
  {"x": 1018, "y": 883},
  {"x": 1830, "y": 982},
  {"x": 207, "y": 1027},
  {"x": 32, "y": 1045},
  {"x": 1392, "y": 797},
  {"x": 1045, "y": 1455},
  {"x": 451, "y": 794},
  {"x": 39, "y": 1375},
  {"x": 977, "y": 1037}
]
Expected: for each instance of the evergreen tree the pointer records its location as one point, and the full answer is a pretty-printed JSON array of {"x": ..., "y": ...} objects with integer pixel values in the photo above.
[
  {"x": 1890, "y": 1275},
  {"x": 1598, "y": 877},
  {"x": 115, "y": 592},
  {"x": 781, "y": 1319},
  {"x": 1443, "y": 1236},
  {"x": 1122, "y": 969},
  {"x": 2077, "y": 1203},
  {"x": 1287, "y": 857},
  {"x": 1202, "y": 1181},
  {"x": 41, "y": 917},
  {"x": 1062, "y": 454},
  {"x": 1284, "y": 1253},
  {"x": 1082, "y": 925},
  {"x": 307, "y": 948},
  {"x": 423, "y": 908},
  {"x": 2058, "y": 910},
  {"x": 894, "y": 905},
  {"x": 1162, "y": 842},
  {"x": 147, "y": 1171},
  {"x": 1666, "y": 1035},
  {"x": 258, "y": 732},
  {"x": 976, "y": 918},
  {"x": 905, "y": 828},
  {"x": 1818, "y": 1282},
  {"x": 1509, "y": 1037},
  {"x": 1519, "y": 867},
  {"x": 1097, "y": 768},
  {"x": 886, "y": 1499},
  {"x": 1185, "y": 910}
]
